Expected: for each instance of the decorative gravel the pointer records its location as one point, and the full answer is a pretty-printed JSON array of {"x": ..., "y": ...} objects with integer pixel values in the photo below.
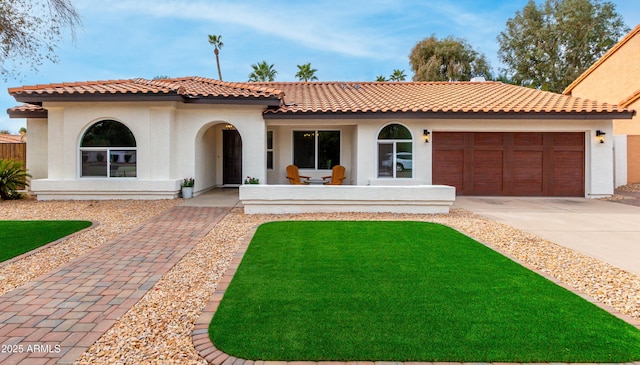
[
  {"x": 110, "y": 218},
  {"x": 158, "y": 328}
]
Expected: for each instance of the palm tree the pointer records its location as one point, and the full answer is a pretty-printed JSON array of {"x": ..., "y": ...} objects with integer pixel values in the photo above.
[
  {"x": 306, "y": 73},
  {"x": 216, "y": 42},
  {"x": 262, "y": 71},
  {"x": 398, "y": 75},
  {"x": 13, "y": 177},
  {"x": 381, "y": 78}
]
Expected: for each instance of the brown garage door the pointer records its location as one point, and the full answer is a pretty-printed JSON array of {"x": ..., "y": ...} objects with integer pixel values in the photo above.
[{"x": 510, "y": 164}]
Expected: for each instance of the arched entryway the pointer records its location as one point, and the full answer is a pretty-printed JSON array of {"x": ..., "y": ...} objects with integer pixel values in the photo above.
[{"x": 218, "y": 156}]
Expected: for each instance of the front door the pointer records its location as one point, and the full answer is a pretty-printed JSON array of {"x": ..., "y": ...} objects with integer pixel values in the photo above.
[{"x": 231, "y": 157}]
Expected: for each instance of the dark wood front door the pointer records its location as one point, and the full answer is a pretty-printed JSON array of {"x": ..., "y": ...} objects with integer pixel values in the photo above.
[
  {"x": 510, "y": 164},
  {"x": 231, "y": 157}
]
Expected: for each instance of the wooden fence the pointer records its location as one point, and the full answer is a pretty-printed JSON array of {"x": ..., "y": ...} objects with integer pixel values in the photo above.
[{"x": 14, "y": 151}]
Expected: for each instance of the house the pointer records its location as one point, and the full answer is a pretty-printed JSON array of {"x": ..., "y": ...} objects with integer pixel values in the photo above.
[
  {"x": 11, "y": 138},
  {"x": 615, "y": 78},
  {"x": 139, "y": 138}
]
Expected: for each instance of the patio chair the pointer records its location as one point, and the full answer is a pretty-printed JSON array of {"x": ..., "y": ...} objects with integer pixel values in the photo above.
[
  {"x": 294, "y": 176},
  {"x": 337, "y": 176}
]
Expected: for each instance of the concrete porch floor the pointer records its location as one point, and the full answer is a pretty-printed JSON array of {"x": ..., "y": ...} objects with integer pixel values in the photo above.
[{"x": 216, "y": 197}]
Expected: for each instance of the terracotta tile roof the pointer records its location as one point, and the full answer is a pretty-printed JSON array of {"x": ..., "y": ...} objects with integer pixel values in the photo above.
[
  {"x": 429, "y": 97},
  {"x": 27, "y": 108},
  {"x": 325, "y": 98},
  {"x": 602, "y": 59},
  {"x": 11, "y": 138},
  {"x": 186, "y": 86},
  {"x": 27, "y": 111}
]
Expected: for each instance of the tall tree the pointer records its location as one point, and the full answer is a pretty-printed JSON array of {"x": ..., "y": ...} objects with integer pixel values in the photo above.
[
  {"x": 549, "y": 45},
  {"x": 449, "y": 59},
  {"x": 306, "y": 73},
  {"x": 262, "y": 71},
  {"x": 381, "y": 78},
  {"x": 397, "y": 75},
  {"x": 216, "y": 42},
  {"x": 30, "y": 31}
]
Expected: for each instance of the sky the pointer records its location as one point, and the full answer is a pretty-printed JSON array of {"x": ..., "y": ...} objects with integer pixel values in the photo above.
[{"x": 345, "y": 40}]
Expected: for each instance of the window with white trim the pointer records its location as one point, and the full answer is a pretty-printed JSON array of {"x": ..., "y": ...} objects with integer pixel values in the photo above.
[
  {"x": 395, "y": 152},
  {"x": 270, "y": 150},
  {"x": 316, "y": 149},
  {"x": 108, "y": 149}
]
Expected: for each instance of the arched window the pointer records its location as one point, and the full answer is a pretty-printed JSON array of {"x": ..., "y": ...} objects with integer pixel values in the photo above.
[
  {"x": 108, "y": 149},
  {"x": 395, "y": 152}
]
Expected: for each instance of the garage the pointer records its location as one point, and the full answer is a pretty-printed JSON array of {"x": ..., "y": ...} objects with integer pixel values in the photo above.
[{"x": 510, "y": 164}]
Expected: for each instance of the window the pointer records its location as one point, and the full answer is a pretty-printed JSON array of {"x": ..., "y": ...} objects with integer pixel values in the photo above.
[
  {"x": 270, "y": 150},
  {"x": 108, "y": 149},
  {"x": 395, "y": 152},
  {"x": 318, "y": 150}
]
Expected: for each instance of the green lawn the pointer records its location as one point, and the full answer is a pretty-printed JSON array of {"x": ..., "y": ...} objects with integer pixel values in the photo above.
[
  {"x": 18, "y": 237},
  {"x": 403, "y": 291}
]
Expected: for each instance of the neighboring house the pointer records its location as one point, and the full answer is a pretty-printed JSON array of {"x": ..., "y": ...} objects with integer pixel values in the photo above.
[
  {"x": 12, "y": 138},
  {"x": 139, "y": 138},
  {"x": 615, "y": 79},
  {"x": 13, "y": 147}
]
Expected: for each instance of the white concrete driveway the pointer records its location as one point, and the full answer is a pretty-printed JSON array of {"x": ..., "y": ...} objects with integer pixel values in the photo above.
[{"x": 607, "y": 231}]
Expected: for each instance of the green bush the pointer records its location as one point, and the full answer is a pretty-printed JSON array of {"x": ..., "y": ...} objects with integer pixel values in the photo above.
[{"x": 13, "y": 177}]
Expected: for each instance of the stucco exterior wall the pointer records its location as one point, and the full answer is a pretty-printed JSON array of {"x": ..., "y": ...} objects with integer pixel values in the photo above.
[
  {"x": 599, "y": 158},
  {"x": 630, "y": 126},
  {"x": 174, "y": 141},
  {"x": 37, "y": 148},
  {"x": 616, "y": 78},
  {"x": 199, "y": 147},
  {"x": 633, "y": 159}
]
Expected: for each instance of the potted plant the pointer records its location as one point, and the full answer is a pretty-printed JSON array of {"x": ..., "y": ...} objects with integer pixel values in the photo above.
[
  {"x": 187, "y": 188},
  {"x": 251, "y": 180}
]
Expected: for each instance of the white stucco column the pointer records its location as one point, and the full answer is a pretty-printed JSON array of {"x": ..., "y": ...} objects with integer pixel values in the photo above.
[
  {"x": 37, "y": 153},
  {"x": 600, "y": 174},
  {"x": 253, "y": 132},
  {"x": 55, "y": 149},
  {"x": 620, "y": 159},
  {"x": 366, "y": 154},
  {"x": 160, "y": 142}
]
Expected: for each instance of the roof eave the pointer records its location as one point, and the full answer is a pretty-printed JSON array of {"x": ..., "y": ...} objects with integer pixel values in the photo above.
[
  {"x": 40, "y": 98},
  {"x": 628, "y": 114},
  {"x": 27, "y": 114},
  {"x": 137, "y": 97}
]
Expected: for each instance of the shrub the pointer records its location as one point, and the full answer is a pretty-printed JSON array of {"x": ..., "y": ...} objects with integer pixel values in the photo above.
[
  {"x": 188, "y": 183},
  {"x": 13, "y": 177}
]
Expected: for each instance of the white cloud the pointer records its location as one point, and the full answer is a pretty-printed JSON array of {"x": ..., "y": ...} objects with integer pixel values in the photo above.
[{"x": 325, "y": 26}]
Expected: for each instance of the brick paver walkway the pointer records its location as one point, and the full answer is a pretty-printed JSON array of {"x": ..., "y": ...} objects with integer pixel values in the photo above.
[{"x": 57, "y": 317}]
